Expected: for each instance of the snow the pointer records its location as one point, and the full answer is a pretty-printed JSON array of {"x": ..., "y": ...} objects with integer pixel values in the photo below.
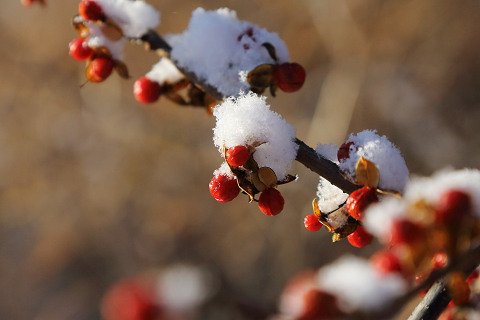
[
  {"x": 328, "y": 151},
  {"x": 380, "y": 216},
  {"x": 219, "y": 48},
  {"x": 135, "y": 18},
  {"x": 164, "y": 71},
  {"x": 224, "y": 170},
  {"x": 96, "y": 39},
  {"x": 385, "y": 155},
  {"x": 358, "y": 286},
  {"x": 248, "y": 120}
]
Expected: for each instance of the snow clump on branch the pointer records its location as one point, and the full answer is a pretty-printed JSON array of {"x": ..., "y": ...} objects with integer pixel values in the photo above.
[
  {"x": 219, "y": 48},
  {"x": 247, "y": 120}
]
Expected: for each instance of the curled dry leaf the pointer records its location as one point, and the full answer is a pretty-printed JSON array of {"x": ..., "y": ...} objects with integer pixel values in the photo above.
[
  {"x": 261, "y": 76},
  {"x": 267, "y": 176},
  {"x": 366, "y": 173},
  {"x": 111, "y": 31},
  {"x": 271, "y": 50},
  {"x": 121, "y": 69}
]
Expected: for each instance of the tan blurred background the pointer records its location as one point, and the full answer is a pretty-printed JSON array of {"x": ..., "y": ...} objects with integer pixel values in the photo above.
[{"x": 94, "y": 187}]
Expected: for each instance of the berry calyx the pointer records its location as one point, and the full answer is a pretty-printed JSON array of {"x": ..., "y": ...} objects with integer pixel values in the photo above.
[
  {"x": 312, "y": 223},
  {"x": 90, "y": 10},
  {"x": 271, "y": 202},
  {"x": 360, "y": 237},
  {"x": 386, "y": 262},
  {"x": 79, "y": 50},
  {"x": 405, "y": 232},
  {"x": 100, "y": 69},
  {"x": 289, "y": 77},
  {"x": 129, "y": 301},
  {"x": 359, "y": 200},
  {"x": 453, "y": 205},
  {"x": 146, "y": 90},
  {"x": 223, "y": 188},
  {"x": 343, "y": 152},
  {"x": 237, "y": 156}
]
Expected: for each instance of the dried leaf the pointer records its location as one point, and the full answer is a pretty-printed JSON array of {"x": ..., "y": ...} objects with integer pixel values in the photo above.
[
  {"x": 111, "y": 31},
  {"x": 267, "y": 176},
  {"x": 121, "y": 69},
  {"x": 271, "y": 50},
  {"x": 261, "y": 76},
  {"x": 259, "y": 185},
  {"x": 316, "y": 209},
  {"x": 79, "y": 26},
  {"x": 366, "y": 173}
]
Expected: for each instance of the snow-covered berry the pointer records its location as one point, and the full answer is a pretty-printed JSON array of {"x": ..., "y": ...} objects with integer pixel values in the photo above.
[
  {"x": 271, "y": 202},
  {"x": 359, "y": 238},
  {"x": 223, "y": 188},
  {"x": 404, "y": 231},
  {"x": 79, "y": 49},
  {"x": 453, "y": 205},
  {"x": 237, "y": 156},
  {"x": 289, "y": 77},
  {"x": 312, "y": 223},
  {"x": 359, "y": 200},
  {"x": 146, "y": 90},
  {"x": 90, "y": 10},
  {"x": 100, "y": 69},
  {"x": 344, "y": 151}
]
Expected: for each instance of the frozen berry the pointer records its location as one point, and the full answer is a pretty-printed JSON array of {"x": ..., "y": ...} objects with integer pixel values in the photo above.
[
  {"x": 223, "y": 188},
  {"x": 271, "y": 202},
  {"x": 405, "y": 232},
  {"x": 343, "y": 152},
  {"x": 129, "y": 301},
  {"x": 359, "y": 200},
  {"x": 79, "y": 50},
  {"x": 237, "y": 156},
  {"x": 453, "y": 205},
  {"x": 289, "y": 77},
  {"x": 99, "y": 69},
  {"x": 146, "y": 90},
  {"x": 386, "y": 262},
  {"x": 360, "y": 238},
  {"x": 312, "y": 223},
  {"x": 90, "y": 10}
]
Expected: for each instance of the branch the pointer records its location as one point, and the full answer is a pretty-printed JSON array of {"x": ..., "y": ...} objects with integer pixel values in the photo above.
[{"x": 306, "y": 155}]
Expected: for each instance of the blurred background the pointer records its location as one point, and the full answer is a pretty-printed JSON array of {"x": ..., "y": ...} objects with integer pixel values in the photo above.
[{"x": 95, "y": 187}]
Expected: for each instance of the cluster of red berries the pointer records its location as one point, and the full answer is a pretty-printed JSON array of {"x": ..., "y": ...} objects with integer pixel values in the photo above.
[
  {"x": 99, "y": 64},
  {"x": 224, "y": 188}
]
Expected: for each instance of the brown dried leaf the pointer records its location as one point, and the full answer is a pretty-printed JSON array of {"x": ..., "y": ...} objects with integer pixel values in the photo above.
[
  {"x": 111, "y": 30},
  {"x": 267, "y": 176},
  {"x": 261, "y": 76},
  {"x": 366, "y": 173},
  {"x": 344, "y": 231},
  {"x": 271, "y": 50},
  {"x": 259, "y": 185},
  {"x": 121, "y": 69},
  {"x": 316, "y": 209}
]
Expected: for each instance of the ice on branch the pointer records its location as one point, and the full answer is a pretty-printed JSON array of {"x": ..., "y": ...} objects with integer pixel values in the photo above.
[
  {"x": 247, "y": 120},
  {"x": 358, "y": 285},
  {"x": 135, "y": 18},
  {"x": 164, "y": 71},
  {"x": 383, "y": 153},
  {"x": 219, "y": 48}
]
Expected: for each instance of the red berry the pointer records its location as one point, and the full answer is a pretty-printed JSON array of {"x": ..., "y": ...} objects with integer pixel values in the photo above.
[
  {"x": 343, "y": 152},
  {"x": 453, "y": 205},
  {"x": 237, "y": 156},
  {"x": 405, "y": 232},
  {"x": 472, "y": 277},
  {"x": 146, "y": 90},
  {"x": 289, "y": 77},
  {"x": 28, "y": 3},
  {"x": 359, "y": 238},
  {"x": 386, "y": 262},
  {"x": 90, "y": 10},
  {"x": 129, "y": 301},
  {"x": 99, "y": 69},
  {"x": 271, "y": 202},
  {"x": 439, "y": 260},
  {"x": 359, "y": 200},
  {"x": 319, "y": 305},
  {"x": 223, "y": 188},
  {"x": 312, "y": 223},
  {"x": 79, "y": 50}
]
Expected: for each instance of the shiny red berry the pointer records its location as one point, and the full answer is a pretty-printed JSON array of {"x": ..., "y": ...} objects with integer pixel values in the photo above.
[
  {"x": 289, "y": 77},
  {"x": 271, "y": 202},
  {"x": 439, "y": 260},
  {"x": 360, "y": 237},
  {"x": 129, "y": 301},
  {"x": 223, "y": 188},
  {"x": 404, "y": 231},
  {"x": 237, "y": 156},
  {"x": 146, "y": 90},
  {"x": 99, "y": 69},
  {"x": 386, "y": 262},
  {"x": 79, "y": 50},
  {"x": 343, "y": 152},
  {"x": 359, "y": 200},
  {"x": 453, "y": 205},
  {"x": 90, "y": 10},
  {"x": 312, "y": 223}
]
